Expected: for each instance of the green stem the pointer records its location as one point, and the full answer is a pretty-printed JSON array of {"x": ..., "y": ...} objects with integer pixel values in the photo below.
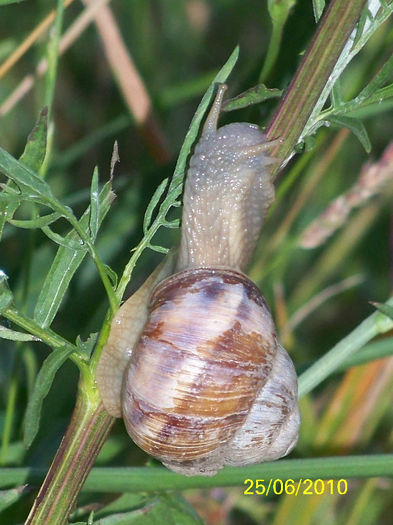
[
  {"x": 313, "y": 74},
  {"x": 86, "y": 433},
  {"x": 45, "y": 335},
  {"x": 374, "y": 325},
  {"x": 150, "y": 479}
]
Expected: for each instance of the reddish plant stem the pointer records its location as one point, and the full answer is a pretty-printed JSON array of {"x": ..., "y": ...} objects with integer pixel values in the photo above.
[
  {"x": 310, "y": 79},
  {"x": 74, "y": 459}
]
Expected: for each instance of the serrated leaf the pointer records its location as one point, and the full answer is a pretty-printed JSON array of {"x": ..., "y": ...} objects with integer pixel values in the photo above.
[
  {"x": 39, "y": 222},
  {"x": 35, "y": 149},
  {"x": 11, "y": 335},
  {"x": 318, "y": 7},
  {"x": 254, "y": 95},
  {"x": 152, "y": 205},
  {"x": 355, "y": 125},
  {"x": 42, "y": 386},
  {"x": 384, "y": 308},
  {"x": 94, "y": 205},
  {"x": 65, "y": 264},
  {"x": 63, "y": 241}
]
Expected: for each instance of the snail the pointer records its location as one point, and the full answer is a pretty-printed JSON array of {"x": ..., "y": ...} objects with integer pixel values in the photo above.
[{"x": 192, "y": 362}]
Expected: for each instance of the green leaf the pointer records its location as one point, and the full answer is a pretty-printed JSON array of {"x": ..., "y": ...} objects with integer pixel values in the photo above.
[
  {"x": 336, "y": 94},
  {"x": 8, "y": 206},
  {"x": 318, "y": 7},
  {"x": 384, "y": 308},
  {"x": 383, "y": 76},
  {"x": 64, "y": 241},
  {"x": 39, "y": 222},
  {"x": 6, "y": 333},
  {"x": 42, "y": 386},
  {"x": 11, "y": 496},
  {"x": 159, "y": 249},
  {"x": 152, "y": 205},
  {"x": 65, "y": 264},
  {"x": 254, "y": 95},
  {"x": 112, "y": 275},
  {"x": 5, "y": 292},
  {"x": 25, "y": 178},
  {"x": 94, "y": 221},
  {"x": 6, "y": 2},
  {"x": 86, "y": 347},
  {"x": 355, "y": 125},
  {"x": 168, "y": 509},
  {"x": 35, "y": 149}
]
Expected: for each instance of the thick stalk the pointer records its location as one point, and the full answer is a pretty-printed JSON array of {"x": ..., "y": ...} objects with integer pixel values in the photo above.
[
  {"x": 313, "y": 74},
  {"x": 86, "y": 433}
]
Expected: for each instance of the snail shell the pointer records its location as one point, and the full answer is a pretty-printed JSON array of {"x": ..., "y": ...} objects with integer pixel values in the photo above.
[
  {"x": 192, "y": 362},
  {"x": 206, "y": 372}
]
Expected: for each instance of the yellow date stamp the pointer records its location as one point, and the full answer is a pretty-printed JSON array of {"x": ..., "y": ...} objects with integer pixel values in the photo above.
[{"x": 290, "y": 487}]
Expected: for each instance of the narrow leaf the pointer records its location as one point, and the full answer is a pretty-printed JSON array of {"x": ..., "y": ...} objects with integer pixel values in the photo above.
[
  {"x": 94, "y": 206},
  {"x": 6, "y": 333},
  {"x": 86, "y": 347},
  {"x": 39, "y": 222},
  {"x": 159, "y": 249},
  {"x": 336, "y": 94},
  {"x": 7, "y": 2},
  {"x": 35, "y": 149},
  {"x": 383, "y": 76},
  {"x": 318, "y": 7},
  {"x": 10, "y": 496},
  {"x": 42, "y": 386},
  {"x": 65, "y": 264},
  {"x": 254, "y": 95},
  {"x": 24, "y": 177},
  {"x": 355, "y": 125},
  {"x": 8, "y": 206},
  {"x": 5, "y": 292},
  {"x": 63, "y": 241},
  {"x": 384, "y": 308},
  {"x": 152, "y": 205}
]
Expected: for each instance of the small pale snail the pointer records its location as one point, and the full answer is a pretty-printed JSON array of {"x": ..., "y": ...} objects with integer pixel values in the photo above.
[{"x": 192, "y": 362}]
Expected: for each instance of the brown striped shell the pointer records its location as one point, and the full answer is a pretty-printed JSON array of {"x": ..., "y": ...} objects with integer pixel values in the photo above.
[{"x": 200, "y": 367}]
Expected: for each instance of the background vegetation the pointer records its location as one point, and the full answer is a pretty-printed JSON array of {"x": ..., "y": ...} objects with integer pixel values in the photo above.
[{"x": 319, "y": 282}]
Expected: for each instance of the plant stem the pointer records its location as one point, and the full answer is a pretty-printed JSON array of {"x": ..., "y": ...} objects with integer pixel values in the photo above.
[
  {"x": 86, "y": 433},
  {"x": 151, "y": 479},
  {"x": 313, "y": 74}
]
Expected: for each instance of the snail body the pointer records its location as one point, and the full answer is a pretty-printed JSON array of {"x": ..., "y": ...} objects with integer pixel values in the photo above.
[{"x": 202, "y": 382}]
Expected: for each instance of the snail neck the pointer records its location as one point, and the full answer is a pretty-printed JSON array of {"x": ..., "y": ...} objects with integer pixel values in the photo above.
[{"x": 227, "y": 195}]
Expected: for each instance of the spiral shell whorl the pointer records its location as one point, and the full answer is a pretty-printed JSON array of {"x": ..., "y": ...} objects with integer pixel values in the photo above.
[{"x": 192, "y": 380}]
